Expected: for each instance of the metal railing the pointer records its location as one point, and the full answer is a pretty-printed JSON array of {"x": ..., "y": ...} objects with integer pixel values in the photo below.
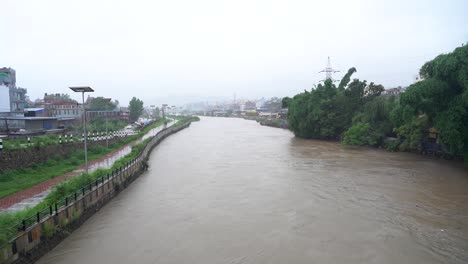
[
  {"x": 63, "y": 203},
  {"x": 64, "y": 140}
]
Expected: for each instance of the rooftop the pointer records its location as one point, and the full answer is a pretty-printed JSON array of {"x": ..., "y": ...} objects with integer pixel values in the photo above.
[
  {"x": 29, "y": 118},
  {"x": 33, "y": 109}
]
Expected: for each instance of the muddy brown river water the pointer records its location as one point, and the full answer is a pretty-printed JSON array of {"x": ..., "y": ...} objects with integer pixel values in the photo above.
[{"x": 232, "y": 191}]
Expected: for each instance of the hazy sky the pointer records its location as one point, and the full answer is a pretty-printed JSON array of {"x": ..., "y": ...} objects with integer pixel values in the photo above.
[{"x": 168, "y": 50}]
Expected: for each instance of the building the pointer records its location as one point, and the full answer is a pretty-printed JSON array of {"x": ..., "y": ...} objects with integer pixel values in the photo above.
[
  {"x": 63, "y": 109},
  {"x": 125, "y": 114},
  {"x": 249, "y": 105},
  {"x": 12, "y": 98},
  {"x": 31, "y": 123},
  {"x": 394, "y": 91},
  {"x": 8, "y": 77},
  {"x": 109, "y": 115},
  {"x": 34, "y": 112}
]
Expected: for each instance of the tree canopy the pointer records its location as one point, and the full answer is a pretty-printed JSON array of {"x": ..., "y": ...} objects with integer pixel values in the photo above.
[
  {"x": 440, "y": 101},
  {"x": 59, "y": 97},
  {"x": 136, "y": 109},
  {"x": 101, "y": 104},
  {"x": 358, "y": 113},
  {"x": 327, "y": 111}
]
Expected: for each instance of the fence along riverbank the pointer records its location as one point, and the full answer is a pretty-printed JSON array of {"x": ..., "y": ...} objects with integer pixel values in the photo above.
[{"x": 40, "y": 232}]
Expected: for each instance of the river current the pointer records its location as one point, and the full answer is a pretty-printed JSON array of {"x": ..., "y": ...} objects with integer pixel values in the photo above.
[{"x": 232, "y": 191}]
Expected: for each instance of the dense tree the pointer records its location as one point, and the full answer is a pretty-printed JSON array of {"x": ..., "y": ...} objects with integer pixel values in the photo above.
[
  {"x": 358, "y": 134},
  {"x": 375, "y": 114},
  {"x": 58, "y": 98},
  {"x": 285, "y": 102},
  {"x": 439, "y": 101},
  {"x": 326, "y": 112},
  {"x": 136, "y": 109},
  {"x": 101, "y": 104},
  {"x": 358, "y": 112},
  {"x": 345, "y": 80}
]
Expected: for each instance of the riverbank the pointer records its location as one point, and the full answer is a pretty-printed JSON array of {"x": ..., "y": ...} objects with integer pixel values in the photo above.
[
  {"x": 279, "y": 123},
  {"x": 16, "y": 180},
  {"x": 105, "y": 184},
  {"x": 268, "y": 121}
]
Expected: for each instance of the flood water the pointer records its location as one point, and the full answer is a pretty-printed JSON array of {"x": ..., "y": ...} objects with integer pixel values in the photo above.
[{"x": 232, "y": 191}]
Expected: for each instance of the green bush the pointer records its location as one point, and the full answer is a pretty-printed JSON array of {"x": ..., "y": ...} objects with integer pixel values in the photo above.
[
  {"x": 358, "y": 135},
  {"x": 392, "y": 145}
]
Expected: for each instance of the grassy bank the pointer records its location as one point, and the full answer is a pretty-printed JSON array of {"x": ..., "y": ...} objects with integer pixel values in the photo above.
[{"x": 16, "y": 180}]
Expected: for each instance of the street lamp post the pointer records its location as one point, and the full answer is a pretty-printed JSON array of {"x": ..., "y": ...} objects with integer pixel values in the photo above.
[
  {"x": 164, "y": 114},
  {"x": 83, "y": 90}
]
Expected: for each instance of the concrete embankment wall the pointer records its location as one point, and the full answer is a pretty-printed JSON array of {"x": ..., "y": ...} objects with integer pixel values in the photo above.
[{"x": 48, "y": 229}]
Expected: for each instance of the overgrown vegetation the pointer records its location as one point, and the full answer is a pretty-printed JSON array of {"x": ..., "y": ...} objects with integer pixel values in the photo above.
[
  {"x": 359, "y": 114},
  {"x": 100, "y": 124},
  {"x": 327, "y": 111},
  {"x": 36, "y": 141}
]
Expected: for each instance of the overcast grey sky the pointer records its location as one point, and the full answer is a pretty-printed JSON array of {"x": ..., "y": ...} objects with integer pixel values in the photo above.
[{"x": 195, "y": 49}]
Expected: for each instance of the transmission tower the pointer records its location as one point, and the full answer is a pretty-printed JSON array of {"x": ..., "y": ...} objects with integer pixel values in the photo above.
[{"x": 329, "y": 71}]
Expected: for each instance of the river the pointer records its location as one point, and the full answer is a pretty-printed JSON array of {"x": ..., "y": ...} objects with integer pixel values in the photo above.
[{"x": 231, "y": 191}]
